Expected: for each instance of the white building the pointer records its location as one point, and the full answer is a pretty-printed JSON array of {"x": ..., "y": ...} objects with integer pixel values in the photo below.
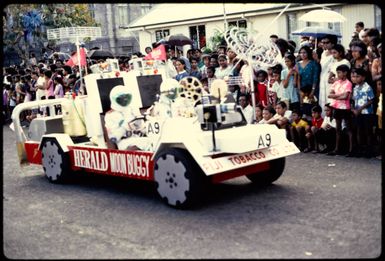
[{"x": 202, "y": 21}]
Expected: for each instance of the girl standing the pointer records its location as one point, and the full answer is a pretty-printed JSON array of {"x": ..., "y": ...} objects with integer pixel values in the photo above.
[
  {"x": 340, "y": 94},
  {"x": 289, "y": 77}
]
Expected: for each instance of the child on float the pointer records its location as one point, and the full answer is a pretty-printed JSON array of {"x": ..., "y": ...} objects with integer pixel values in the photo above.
[
  {"x": 297, "y": 129},
  {"x": 340, "y": 95},
  {"x": 311, "y": 131},
  {"x": 363, "y": 113}
]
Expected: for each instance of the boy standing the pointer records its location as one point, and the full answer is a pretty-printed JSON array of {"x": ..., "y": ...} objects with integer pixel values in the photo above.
[
  {"x": 311, "y": 131},
  {"x": 363, "y": 97}
]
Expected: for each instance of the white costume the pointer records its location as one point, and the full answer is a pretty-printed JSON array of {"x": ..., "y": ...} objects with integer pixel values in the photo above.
[
  {"x": 117, "y": 121},
  {"x": 324, "y": 86},
  {"x": 165, "y": 106}
]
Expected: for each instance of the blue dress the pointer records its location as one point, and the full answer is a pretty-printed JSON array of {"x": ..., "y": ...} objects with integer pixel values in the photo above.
[
  {"x": 309, "y": 75},
  {"x": 181, "y": 75}
]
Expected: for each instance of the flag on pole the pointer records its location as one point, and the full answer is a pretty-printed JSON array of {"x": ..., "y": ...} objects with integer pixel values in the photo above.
[
  {"x": 158, "y": 53},
  {"x": 74, "y": 59}
]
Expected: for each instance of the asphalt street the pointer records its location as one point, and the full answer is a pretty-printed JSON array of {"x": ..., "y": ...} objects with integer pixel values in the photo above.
[{"x": 322, "y": 207}]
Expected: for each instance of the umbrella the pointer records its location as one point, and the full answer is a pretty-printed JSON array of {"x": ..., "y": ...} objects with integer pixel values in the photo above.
[
  {"x": 62, "y": 56},
  {"x": 178, "y": 40},
  {"x": 315, "y": 31},
  {"x": 323, "y": 16},
  {"x": 100, "y": 54}
]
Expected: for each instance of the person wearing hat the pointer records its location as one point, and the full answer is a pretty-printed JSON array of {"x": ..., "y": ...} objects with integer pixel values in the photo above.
[
  {"x": 206, "y": 63},
  {"x": 121, "y": 130},
  {"x": 221, "y": 49}
]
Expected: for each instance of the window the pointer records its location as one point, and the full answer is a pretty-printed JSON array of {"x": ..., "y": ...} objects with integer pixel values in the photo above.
[
  {"x": 291, "y": 25},
  {"x": 161, "y": 34},
  {"x": 240, "y": 23},
  {"x": 335, "y": 26},
  {"x": 198, "y": 35},
  {"x": 123, "y": 15},
  {"x": 127, "y": 49},
  {"x": 91, "y": 9},
  {"x": 144, "y": 8},
  {"x": 377, "y": 18}
]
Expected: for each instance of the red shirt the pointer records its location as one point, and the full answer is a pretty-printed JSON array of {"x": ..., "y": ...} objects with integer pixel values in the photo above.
[
  {"x": 260, "y": 94},
  {"x": 317, "y": 122}
]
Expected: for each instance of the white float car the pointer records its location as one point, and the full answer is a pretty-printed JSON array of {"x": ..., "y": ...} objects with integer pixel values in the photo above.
[{"x": 186, "y": 153}]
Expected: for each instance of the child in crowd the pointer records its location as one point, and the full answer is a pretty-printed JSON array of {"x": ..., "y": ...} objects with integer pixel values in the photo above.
[
  {"x": 270, "y": 79},
  {"x": 289, "y": 77},
  {"x": 261, "y": 88},
  {"x": 195, "y": 72},
  {"x": 274, "y": 90},
  {"x": 326, "y": 135},
  {"x": 297, "y": 129},
  {"x": 311, "y": 131},
  {"x": 282, "y": 117},
  {"x": 379, "y": 116},
  {"x": 247, "y": 109},
  {"x": 59, "y": 89},
  {"x": 340, "y": 95},
  {"x": 258, "y": 113},
  {"x": 267, "y": 114},
  {"x": 210, "y": 77},
  {"x": 363, "y": 97}
]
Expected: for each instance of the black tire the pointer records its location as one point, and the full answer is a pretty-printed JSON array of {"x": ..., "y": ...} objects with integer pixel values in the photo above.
[
  {"x": 267, "y": 177},
  {"x": 55, "y": 161},
  {"x": 180, "y": 181}
]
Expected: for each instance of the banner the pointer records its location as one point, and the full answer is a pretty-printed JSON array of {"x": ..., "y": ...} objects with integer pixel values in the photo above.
[
  {"x": 158, "y": 53},
  {"x": 74, "y": 59}
]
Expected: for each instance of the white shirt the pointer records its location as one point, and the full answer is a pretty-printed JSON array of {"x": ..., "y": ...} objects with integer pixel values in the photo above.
[
  {"x": 327, "y": 121},
  {"x": 335, "y": 64},
  {"x": 248, "y": 113},
  {"x": 39, "y": 92},
  {"x": 286, "y": 115},
  {"x": 221, "y": 73}
]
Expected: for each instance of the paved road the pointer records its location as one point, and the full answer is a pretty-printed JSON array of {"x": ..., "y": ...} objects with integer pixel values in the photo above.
[{"x": 322, "y": 207}]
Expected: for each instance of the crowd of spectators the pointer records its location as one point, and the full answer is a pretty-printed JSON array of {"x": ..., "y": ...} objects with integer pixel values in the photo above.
[{"x": 328, "y": 97}]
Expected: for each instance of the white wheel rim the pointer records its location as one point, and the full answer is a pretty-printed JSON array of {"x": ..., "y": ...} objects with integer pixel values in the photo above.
[
  {"x": 52, "y": 160},
  {"x": 171, "y": 180}
]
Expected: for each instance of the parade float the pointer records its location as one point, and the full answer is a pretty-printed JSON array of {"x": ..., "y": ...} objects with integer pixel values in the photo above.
[{"x": 194, "y": 138}]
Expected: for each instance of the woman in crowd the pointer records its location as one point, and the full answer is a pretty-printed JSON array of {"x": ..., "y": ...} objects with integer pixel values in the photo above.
[
  {"x": 359, "y": 52},
  {"x": 224, "y": 69},
  {"x": 308, "y": 71},
  {"x": 181, "y": 70}
]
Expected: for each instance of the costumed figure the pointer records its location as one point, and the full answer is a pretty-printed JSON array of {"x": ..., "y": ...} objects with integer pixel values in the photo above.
[
  {"x": 169, "y": 90},
  {"x": 122, "y": 129}
]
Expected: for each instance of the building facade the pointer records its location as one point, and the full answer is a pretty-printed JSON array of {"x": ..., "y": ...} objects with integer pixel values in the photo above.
[
  {"x": 203, "y": 21},
  {"x": 113, "y": 19}
]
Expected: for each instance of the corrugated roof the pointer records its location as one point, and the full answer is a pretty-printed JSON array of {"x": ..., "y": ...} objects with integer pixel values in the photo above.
[{"x": 169, "y": 13}]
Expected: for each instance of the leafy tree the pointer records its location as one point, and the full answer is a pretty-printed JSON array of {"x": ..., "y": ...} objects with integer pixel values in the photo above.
[
  {"x": 216, "y": 40},
  {"x": 25, "y": 25}
]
